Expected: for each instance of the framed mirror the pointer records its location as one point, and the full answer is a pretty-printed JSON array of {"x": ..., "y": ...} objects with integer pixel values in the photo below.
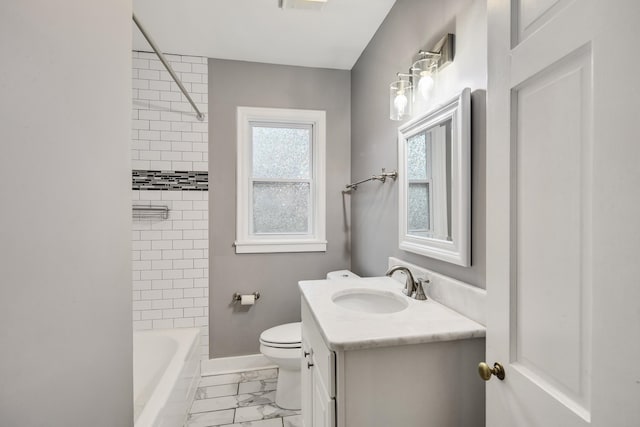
[{"x": 435, "y": 182}]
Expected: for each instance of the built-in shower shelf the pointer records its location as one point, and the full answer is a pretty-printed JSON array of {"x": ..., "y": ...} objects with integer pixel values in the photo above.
[{"x": 150, "y": 212}]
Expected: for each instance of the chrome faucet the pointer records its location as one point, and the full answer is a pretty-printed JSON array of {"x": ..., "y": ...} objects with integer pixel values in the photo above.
[{"x": 412, "y": 288}]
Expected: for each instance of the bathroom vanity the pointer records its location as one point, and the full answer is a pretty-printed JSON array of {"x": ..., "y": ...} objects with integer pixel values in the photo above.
[{"x": 374, "y": 357}]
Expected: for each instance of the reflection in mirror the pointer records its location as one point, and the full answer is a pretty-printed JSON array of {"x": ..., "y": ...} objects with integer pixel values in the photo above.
[
  {"x": 434, "y": 170},
  {"x": 429, "y": 182}
]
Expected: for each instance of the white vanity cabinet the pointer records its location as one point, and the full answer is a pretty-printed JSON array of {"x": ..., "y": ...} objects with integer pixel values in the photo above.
[{"x": 428, "y": 384}]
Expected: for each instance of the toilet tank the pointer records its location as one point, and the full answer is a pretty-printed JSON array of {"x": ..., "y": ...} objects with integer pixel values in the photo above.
[{"x": 342, "y": 274}]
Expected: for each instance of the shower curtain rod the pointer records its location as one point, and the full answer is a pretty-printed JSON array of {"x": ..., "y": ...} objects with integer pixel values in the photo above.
[{"x": 166, "y": 64}]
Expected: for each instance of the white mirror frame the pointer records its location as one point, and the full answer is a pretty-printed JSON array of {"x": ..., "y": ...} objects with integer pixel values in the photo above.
[{"x": 458, "y": 250}]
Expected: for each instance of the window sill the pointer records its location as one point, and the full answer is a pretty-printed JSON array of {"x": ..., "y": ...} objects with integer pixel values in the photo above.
[{"x": 256, "y": 247}]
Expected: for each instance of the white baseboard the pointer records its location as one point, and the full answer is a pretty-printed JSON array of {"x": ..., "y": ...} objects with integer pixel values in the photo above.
[{"x": 229, "y": 365}]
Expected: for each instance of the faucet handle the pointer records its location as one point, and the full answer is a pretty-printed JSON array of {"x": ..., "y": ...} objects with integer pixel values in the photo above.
[{"x": 419, "y": 294}]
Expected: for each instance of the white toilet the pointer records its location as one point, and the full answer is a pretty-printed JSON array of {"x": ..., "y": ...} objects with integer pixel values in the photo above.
[{"x": 283, "y": 346}]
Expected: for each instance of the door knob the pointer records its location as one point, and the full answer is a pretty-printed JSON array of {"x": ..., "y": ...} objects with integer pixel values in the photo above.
[{"x": 485, "y": 371}]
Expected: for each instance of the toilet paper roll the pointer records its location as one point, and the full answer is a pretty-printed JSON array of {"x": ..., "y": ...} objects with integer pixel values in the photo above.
[{"x": 247, "y": 299}]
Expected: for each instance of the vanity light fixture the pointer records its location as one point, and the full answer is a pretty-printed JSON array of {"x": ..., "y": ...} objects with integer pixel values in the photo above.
[
  {"x": 421, "y": 78},
  {"x": 401, "y": 97}
]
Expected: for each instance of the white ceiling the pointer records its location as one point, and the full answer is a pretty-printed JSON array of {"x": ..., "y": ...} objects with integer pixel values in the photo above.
[{"x": 258, "y": 30}]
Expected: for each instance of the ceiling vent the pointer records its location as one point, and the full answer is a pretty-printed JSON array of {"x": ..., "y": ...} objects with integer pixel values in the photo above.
[{"x": 302, "y": 4}]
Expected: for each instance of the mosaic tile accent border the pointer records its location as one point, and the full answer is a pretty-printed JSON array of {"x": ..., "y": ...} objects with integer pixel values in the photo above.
[{"x": 170, "y": 180}]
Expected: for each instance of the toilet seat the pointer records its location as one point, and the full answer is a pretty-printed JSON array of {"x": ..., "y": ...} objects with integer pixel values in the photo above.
[{"x": 288, "y": 335}]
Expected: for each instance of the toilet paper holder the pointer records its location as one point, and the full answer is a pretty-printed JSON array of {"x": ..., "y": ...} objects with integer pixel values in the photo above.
[{"x": 237, "y": 297}]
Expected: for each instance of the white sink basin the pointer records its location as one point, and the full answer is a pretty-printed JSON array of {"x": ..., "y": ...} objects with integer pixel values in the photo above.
[{"x": 369, "y": 301}]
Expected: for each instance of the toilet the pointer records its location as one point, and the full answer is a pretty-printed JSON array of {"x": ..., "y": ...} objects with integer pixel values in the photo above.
[{"x": 282, "y": 345}]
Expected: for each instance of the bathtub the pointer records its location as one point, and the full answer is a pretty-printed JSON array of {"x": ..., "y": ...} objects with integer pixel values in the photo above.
[{"x": 166, "y": 372}]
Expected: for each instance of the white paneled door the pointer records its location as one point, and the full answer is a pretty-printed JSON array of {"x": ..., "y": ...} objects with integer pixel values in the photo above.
[{"x": 563, "y": 235}]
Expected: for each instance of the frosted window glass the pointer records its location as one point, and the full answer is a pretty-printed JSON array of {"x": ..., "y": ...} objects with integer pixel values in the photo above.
[
  {"x": 281, "y": 207},
  {"x": 281, "y": 152},
  {"x": 417, "y": 157},
  {"x": 418, "y": 208}
]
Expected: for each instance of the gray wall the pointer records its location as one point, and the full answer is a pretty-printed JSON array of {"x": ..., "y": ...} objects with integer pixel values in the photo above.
[
  {"x": 412, "y": 25},
  {"x": 65, "y": 222},
  {"x": 232, "y": 84}
]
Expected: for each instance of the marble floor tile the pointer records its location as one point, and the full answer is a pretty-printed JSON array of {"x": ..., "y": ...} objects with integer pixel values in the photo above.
[
  {"x": 261, "y": 412},
  {"x": 264, "y": 374},
  {"x": 243, "y": 399},
  {"x": 214, "y": 404},
  {"x": 259, "y": 398},
  {"x": 273, "y": 422},
  {"x": 208, "y": 419},
  {"x": 229, "y": 402},
  {"x": 255, "y": 386},
  {"x": 218, "y": 391},
  {"x": 293, "y": 421},
  {"x": 239, "y": 377},
  {"x": 219, "y": 380}
]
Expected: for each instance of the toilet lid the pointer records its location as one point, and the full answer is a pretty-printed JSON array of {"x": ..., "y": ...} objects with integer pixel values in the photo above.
[{"x": 287, "y": 335}]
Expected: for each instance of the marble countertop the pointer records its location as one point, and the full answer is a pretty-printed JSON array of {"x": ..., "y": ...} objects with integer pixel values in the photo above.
[{"x": 421, "y": 322}]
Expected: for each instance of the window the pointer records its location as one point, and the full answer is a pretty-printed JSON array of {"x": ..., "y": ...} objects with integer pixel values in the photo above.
[{"x": 281, "y": 180}]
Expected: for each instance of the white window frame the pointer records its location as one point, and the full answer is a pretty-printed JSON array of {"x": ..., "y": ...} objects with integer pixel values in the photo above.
[{"x": 315, "y": 240}]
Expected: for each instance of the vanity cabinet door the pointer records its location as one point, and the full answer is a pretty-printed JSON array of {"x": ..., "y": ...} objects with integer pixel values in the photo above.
[
  {"x": 324, "y": 407},
  {"x": 324, "y": 360},
  {"x": 318, "y": 376},
  {"x": 307, "y": 383},
  {"x": 318, "y": 407}
]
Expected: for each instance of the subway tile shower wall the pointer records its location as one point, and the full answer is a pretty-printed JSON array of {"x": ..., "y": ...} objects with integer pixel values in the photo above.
[
  {"x": 170, "y": 256},
  {"x": 166, "y": 134}
]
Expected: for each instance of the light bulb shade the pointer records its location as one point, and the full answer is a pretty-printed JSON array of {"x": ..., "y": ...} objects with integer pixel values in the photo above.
[
  {"x": 424, "y": 71},
  {"x": 400, "y": 99}
]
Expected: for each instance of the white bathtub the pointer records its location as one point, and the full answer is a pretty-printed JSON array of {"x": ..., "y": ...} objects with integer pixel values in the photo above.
[{"x": 166, "y": 372}]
